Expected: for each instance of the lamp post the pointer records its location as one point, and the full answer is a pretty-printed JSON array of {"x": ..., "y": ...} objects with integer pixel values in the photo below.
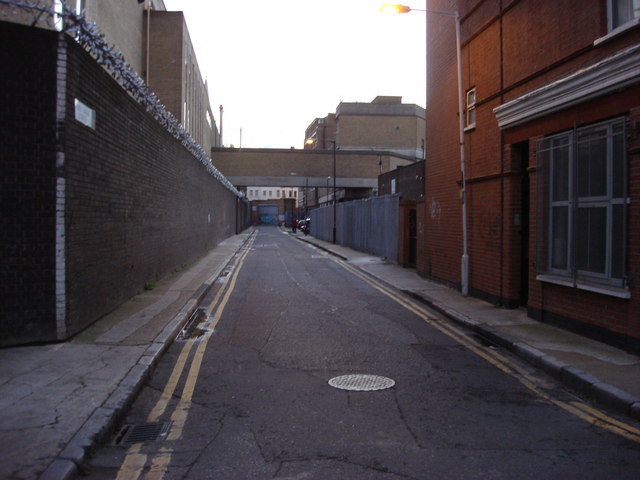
[
  {"x": 310, "y": 141},
  {"x": 464, "y": 263},
  {"x": 327, "y": 189},
  {"x": 334, "y": 191}
]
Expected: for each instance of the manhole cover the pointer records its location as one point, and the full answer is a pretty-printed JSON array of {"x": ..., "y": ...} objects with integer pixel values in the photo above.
[{"x": 361, "y": 383}]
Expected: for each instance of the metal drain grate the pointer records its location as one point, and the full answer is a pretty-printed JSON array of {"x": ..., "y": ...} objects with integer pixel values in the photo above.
[
  {"x": 142, "y": 433},
  {"x": 189, "y": 330},
  {"x": 361, "y": 383}
]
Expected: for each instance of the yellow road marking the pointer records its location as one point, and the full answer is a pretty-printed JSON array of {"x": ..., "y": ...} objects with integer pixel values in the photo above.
[
  {"x": 579, "y": 409},
  {"x": 181, "y": 412},
  {"x": 134, "y": 461},
  {"x": 159, "y": 465},
  {"x": 170, "y": 387}
]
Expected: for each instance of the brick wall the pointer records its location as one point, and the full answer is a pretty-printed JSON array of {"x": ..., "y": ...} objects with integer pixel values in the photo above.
[
  {"x": 136, "y": 204},
  {"x": 510, "y": 48},
  {"x": 409, "y": 181},
  {"x": 601, "y": 316},
  {"x": 442, "y": 219},
  {"x": 27, "y": 143},
  {"x": 380, "y": 131}
]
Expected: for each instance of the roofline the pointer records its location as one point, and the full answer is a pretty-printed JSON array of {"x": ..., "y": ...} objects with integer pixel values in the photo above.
[{"x": 307, "y": 151}]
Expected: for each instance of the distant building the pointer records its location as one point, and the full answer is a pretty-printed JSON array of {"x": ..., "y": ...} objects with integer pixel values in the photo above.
[
  {"x": 272, "y": 193},
  {"x": 321, "y": 133},
  {"x": 385, "y": 124}
]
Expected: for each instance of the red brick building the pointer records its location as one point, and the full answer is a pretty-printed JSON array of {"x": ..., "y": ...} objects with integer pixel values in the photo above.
[{"x": 552, "y": 145}]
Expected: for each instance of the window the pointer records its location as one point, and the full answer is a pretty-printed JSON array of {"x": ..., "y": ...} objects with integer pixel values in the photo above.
[
  {"x": 622, "y": 11},
  {"x": 471, "y": 108},
  {"x": 582, "y": 201}
]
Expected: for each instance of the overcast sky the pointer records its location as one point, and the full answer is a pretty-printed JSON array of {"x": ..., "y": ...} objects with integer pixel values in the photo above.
[{"x": 275, "y": 66}]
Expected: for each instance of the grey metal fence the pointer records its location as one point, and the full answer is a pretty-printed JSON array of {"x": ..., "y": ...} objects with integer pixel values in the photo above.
[{"x": 368, "y": 225}]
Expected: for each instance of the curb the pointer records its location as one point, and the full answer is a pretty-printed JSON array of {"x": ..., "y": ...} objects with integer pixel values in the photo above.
[
  {"x": 580, "y": 382},
  {"x": 104, "y": 419}
]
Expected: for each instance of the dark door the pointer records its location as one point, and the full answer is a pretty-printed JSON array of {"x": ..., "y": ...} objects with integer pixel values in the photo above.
[
  {"x": 413, "y": 236},
  {"x": 525, "y": 204}
]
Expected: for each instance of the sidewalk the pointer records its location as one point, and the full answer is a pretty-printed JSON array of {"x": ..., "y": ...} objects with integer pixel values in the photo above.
[
  {"x": 599, "y": 372},
  {"x": 57, "y": 401}
]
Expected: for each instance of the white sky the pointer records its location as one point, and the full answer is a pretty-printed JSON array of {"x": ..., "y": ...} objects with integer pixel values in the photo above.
[{"x": 275, "y": 66}]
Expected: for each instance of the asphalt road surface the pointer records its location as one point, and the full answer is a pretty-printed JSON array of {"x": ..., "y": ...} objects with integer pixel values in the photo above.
[{"x": 246, "y": 393}]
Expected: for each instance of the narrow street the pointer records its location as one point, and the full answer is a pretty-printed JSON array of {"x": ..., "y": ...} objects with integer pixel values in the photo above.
[{"x": 245, "y": 392}]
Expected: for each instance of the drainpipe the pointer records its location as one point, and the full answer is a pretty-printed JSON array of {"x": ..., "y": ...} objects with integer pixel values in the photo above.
[{"x": 464, "y": 262}]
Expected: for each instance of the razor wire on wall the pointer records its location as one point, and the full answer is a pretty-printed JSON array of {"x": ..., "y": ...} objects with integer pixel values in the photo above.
[{"x": 58, "y": 15}]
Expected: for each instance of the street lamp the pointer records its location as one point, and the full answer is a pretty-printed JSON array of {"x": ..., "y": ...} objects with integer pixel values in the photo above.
[
  {"x": 334, "y": 191},
  {"x": 311, "y": 141},
  {"x": 395, "y": 8},
  {"x": 327, "y": 189},
  {"x": 464, "y": 263}
]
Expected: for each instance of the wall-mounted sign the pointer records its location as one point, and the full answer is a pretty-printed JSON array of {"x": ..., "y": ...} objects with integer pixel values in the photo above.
[{"x": 85, "y": 114}]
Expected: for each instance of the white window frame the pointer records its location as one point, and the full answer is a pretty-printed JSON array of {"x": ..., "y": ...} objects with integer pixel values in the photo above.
[
  {"x": 570, "y": 274},
  {"x": 470, "y": 108},
  {"x": 632, "y": 13}
]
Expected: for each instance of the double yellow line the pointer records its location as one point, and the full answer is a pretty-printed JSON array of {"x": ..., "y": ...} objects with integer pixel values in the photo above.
[
  {"x": 580, "y": 409},
  {"x": 135, "y": 461}
]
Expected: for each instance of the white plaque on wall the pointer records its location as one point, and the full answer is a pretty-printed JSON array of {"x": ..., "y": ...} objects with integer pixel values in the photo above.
[{"x": 85, "y": 114}]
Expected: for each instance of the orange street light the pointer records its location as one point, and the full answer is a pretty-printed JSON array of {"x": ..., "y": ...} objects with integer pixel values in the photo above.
[
  {"x": 464, "y": 262},
  {"x": 394, "y": 8}
]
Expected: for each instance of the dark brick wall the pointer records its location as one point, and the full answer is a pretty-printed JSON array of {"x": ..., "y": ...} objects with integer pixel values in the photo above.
[
  {"x": 27, "y": 193},
  {"x": 137, "y": 204},
  {"x": 409, "y": 181}
]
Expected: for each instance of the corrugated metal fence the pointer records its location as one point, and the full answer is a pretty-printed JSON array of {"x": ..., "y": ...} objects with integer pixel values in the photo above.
[{"x": 369, "y": 225}]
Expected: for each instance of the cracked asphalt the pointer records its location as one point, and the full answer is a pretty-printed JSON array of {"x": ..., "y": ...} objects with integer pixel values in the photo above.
[{"x": 254, "y": 399}]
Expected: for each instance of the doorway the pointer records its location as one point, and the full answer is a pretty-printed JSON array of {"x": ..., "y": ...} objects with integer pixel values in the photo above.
[{"x": 521, "y": 159}]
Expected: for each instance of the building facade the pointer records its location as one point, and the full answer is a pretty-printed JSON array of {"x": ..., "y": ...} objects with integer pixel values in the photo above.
[
  {"x": 321, "y": 133},
  {"x": 551, "y": 95},
  {"x": 272, "y": 193},
  {"x": 385, "y": 124},
  {"x": 156, "y": 44},
  {"x": 173, "y": 74}
]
